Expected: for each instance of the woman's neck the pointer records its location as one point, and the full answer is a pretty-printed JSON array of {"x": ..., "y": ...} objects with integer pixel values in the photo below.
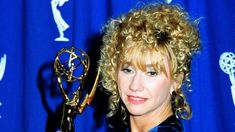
[{"x": 146, "y": 122}]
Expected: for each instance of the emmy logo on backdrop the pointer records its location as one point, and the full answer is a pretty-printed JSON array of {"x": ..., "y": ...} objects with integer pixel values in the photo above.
[
  {"x": 168, "y": 1},
  {"x": 3, "y": 62},
  {"x": 227, "y": 64},
  {"x": 71, "y": 66},
  {"x": 60, "y": 22}
]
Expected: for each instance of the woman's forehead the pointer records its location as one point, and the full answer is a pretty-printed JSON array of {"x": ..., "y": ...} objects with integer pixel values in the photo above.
[{"x": 144, "y": 59}]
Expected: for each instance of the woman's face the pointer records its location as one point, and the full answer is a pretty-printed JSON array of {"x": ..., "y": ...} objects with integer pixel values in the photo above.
[{"x": 144, "y": 92}]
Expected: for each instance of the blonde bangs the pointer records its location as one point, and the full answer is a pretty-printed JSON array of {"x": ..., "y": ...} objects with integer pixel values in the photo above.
[{"x": 141, "y": 56}]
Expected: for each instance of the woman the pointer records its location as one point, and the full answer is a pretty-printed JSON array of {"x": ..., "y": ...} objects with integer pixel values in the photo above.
[{"x": 145, "y": 59}]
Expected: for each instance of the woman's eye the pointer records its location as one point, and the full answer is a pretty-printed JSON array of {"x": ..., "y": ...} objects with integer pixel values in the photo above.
[
  {"x": 127, "y": 70},
  {"x": 151, "y": 73}
]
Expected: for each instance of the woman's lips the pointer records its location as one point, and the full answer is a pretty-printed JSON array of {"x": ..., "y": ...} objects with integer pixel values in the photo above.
[{"x": 136, "y": 99}]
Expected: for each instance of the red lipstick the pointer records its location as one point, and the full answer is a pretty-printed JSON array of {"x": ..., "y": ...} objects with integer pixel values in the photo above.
[{"x": 136, "y": 99}]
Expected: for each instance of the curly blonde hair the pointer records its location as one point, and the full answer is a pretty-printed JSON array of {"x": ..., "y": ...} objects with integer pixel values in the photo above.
[{"x": 160, "y": 28}]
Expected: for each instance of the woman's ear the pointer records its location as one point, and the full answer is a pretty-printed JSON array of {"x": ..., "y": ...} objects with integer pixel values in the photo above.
[
  {"x": 179, "y": 79},
  {"x": 177, "y": 82},
  {"x": 174, "y": 87}
]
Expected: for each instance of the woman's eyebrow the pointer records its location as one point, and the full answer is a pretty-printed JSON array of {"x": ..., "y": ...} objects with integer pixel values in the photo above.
[{"x": 149, "y": 65}]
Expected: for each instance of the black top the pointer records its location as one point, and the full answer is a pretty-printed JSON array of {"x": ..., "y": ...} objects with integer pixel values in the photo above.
[{"x": 171, "y": 124}]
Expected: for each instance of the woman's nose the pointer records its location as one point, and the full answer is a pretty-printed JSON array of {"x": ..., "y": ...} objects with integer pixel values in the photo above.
[{"x": 136, "y": 82}]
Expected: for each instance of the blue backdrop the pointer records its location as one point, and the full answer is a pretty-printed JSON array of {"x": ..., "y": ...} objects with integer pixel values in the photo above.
[{"x": 29, "y": 96}]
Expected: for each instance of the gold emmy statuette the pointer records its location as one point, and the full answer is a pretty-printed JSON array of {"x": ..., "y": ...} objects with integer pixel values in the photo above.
[{"x": 71, "y": 66}]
